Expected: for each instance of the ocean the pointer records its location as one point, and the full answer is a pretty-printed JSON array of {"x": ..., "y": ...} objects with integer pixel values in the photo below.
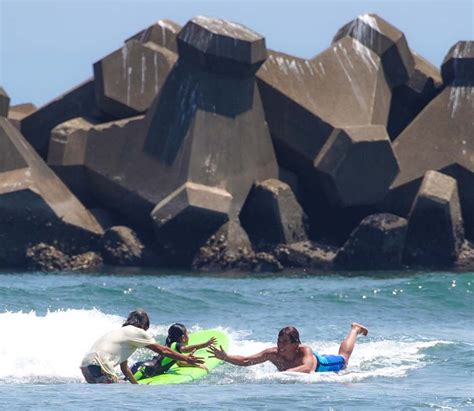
[{"x": 418, "y": 354}]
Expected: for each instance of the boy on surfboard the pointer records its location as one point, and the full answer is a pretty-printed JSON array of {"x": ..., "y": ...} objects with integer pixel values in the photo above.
[{"x": 291, "y": 355}]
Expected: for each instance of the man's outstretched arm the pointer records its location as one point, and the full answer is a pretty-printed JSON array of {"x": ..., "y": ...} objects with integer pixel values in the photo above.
[
  {"x": 168, "y": 352},
  {"x": 240, "y": 360}
]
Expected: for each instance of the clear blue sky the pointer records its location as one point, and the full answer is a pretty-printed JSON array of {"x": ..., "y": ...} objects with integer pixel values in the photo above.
[{"x": 47, "y": 47}]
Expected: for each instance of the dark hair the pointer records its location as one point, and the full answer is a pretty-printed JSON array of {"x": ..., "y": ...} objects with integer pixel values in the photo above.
[
  {"x": 139, "y": 319},
  {"x": 292, "y": 333},
  {"x": 175, "y": 332}
]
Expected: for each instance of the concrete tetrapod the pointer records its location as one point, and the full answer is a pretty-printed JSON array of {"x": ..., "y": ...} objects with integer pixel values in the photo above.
[
  {"x": 385, "y": 41},
  {"x": 4, "y": 103},
  {"x": 163, "y": 33},
  {"x": 35, "y": 206},
  {"x": 271, "y": 215},
  {"x": 410, "y": 98},
  {"x": 363, "y": 150},
  {"x": 441, "y": 138},
  {"x": 347, "y": 85},
  {"x": 78, "y": 102},
  {"x": 376, "y": 244},
  {"x": 66, "y": 156},
  {"x": 435, "y": 227},
  {"x": 189, "y": 216},
  {"x": 127, "y": 80},
  {"x": 204, "y": 127},
  {"x": 18, "y": 112}
]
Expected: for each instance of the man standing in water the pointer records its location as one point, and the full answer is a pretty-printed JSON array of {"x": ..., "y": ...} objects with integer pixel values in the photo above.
[
  {"x": 115, "y": 347},
  {"x": 291, "y": 355}
]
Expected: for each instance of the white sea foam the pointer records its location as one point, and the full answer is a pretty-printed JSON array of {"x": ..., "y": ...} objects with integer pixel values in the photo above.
[{"x": 50, "y": 347}]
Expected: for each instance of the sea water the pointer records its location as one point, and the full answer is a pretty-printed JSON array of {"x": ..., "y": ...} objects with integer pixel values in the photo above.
[{"x": 418, "y": 354}]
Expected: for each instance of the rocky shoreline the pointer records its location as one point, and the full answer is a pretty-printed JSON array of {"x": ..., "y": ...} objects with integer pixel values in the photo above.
[{"x": 195, "y": 147}]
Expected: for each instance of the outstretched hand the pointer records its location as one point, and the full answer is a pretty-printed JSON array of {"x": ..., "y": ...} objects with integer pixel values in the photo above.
[
  {"x": 217, "y": 352},
  {"x": 191, "y": 359},
  {"x": 211, "y": 341}
]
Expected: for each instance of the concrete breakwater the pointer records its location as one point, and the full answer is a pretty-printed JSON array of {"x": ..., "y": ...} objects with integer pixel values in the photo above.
[{"x": 198, "y": 147}]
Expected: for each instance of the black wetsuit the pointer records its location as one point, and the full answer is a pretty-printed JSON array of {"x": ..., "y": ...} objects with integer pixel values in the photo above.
[{"x": 159, "y": 364}]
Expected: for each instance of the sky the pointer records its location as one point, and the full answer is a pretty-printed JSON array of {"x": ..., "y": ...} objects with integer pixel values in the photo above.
[{"x": 49, "y": 47}]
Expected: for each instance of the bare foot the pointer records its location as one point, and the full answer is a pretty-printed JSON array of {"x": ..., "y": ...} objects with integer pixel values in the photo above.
[{"x": 360, "y": 328}]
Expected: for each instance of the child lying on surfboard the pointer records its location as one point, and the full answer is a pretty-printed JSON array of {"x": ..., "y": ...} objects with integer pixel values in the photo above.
[{"x": 177, "y": 340}]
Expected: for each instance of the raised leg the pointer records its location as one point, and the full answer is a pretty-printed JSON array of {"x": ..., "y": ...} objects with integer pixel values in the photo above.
[{"x": 347, "y": 346}]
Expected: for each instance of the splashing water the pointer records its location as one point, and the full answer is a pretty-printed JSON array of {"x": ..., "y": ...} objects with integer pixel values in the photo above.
[{"x": 49, "y": 348}]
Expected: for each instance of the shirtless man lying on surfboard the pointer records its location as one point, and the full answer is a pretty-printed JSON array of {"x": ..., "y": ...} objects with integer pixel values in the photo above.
[{"x": 291, "y": 355}]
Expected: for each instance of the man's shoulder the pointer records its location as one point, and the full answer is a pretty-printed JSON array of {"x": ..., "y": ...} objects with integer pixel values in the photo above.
[
  {"x": 136, "y": 332},
  {"x": 304, "y": 348}
]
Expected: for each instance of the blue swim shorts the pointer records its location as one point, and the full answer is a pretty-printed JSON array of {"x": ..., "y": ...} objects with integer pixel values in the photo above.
[{"x": 330, "y": 362}]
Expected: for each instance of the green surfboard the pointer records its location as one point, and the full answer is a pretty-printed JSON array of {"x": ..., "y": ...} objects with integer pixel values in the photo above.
[{"x": 180, "y": 375}]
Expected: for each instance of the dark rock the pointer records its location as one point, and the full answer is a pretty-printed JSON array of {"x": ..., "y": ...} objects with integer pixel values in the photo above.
[
  {"x": 435, "y": 228},
  {"x": 233, "y": 236},
  {"x": 4, "y": 103},
  {"x": 465, "y": 261},
  {"x": 376, "y": 244},
  {"x": 306, "y": 254},
  {"x": 214, "y": 257},
  {"x": 271, "y": 215},
  {"x": 348, "y": 177},
  {"x": 264, "y": 262},
  {"x": 121, "y": 246},
  {"x": 127, "y": 80},
  {"x": 44, "y": 257},
  {"x": 228, "y": 249},
  {"x": 85, "y": 261}
]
